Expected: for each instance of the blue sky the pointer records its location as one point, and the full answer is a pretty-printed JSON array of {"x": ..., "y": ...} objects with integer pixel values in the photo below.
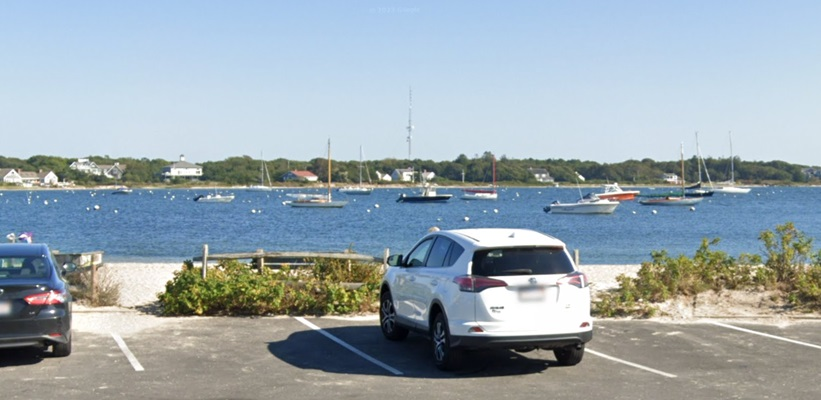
[{"x": 605, "y": 81}]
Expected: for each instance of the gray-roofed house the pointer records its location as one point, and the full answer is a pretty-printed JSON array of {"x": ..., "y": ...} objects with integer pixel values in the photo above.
[
  {"x": 182, "y": 169},
  {"x": 115, "y": 171},
  {"x": 402, "y": 175}
]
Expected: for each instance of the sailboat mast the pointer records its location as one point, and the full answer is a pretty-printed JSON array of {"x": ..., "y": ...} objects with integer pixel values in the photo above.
[
  {"x": 329, "y": 169},
  {"x": 682, "y": 169},
  {"x": 732, "y": 166},
  {"x": 410, "y": 120}
]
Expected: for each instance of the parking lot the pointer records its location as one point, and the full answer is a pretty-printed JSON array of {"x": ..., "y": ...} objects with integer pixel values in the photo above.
[{"x": 309, "y": 358}]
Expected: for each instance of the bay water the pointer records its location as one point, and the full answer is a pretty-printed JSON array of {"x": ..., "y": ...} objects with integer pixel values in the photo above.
[{"x": 165, "y": 225}]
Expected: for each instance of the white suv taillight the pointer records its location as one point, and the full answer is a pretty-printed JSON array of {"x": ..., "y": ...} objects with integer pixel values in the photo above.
[
  {"x": 476, "y": 284},
  {"x": 47, "y": 298},
  {"x": 577, "y": 279}
]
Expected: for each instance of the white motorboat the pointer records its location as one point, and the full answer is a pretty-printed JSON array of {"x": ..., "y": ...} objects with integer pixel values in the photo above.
[
  {"x": 214, "y": 198},
  {"x": 589, "y": 204}
]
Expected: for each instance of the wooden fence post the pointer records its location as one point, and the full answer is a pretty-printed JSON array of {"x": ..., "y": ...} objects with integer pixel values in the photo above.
[
  {"x": 93, "y": 282},
  {"x": 261, "y": 259},
  {"x": 204, "y": 260}
]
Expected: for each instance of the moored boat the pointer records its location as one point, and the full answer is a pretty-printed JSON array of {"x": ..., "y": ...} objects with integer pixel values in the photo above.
[
  {"x": 428, "y": 195},
  {"x": 612, "y": 191},
  {"x": 589, "y": 204},
  {"x": 214, "y": 198}
]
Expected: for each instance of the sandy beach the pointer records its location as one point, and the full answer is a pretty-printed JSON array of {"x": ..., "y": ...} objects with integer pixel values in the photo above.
[{"x": 140, "y": 282}]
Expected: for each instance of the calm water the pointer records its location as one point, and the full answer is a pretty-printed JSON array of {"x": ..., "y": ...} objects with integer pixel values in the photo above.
[{"x": 166, "y": 225}]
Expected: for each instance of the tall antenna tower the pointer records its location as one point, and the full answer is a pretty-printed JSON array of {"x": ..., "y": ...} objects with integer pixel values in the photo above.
[{"x": 410, "y": 122}]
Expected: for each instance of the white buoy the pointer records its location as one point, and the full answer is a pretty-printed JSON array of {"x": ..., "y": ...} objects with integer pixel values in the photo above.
[
  {"x": 634, "y": 212},
  {"x": 96, "y": 207},
  {"x": 376, "y": 206},
  {"x": 466, "y": 219},
  {"x": 655, "y": 212},
  {"x": 45, "y": 202},
  {"x": 439, "y": 219},
  {"x": 116, "y": 211},
  {"x": 692, "y": 208},
  {"x": 369, "y": 210},
  {"x": 495, "y": 210},
  {"x": 253, "y": 211}
]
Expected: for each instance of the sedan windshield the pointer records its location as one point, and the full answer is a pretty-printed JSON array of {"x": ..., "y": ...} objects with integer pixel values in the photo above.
[{"x": 521, "y": 261}]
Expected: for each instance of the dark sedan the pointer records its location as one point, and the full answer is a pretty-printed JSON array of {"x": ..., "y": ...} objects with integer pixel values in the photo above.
[{"x": 35, "y": 303}]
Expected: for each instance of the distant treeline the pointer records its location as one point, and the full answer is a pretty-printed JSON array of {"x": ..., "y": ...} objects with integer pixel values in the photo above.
[{"x": 245, "y": 170}]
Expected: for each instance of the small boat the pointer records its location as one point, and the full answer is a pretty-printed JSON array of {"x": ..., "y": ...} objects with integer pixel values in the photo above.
[
  {"x": 428, "y": 195},
  {"x": 696, "y": 190},
  {"x": 612, "y": 191},
  {"x": 482, "y": 194},
  {"x": 319, "y": 201},
  {"x": 359, "y": 189},
  {"x": 122, "y": 190},
  {"x": 673, "y": 200},
  {"x": 729, "y": 187},
  {"x": 589, "y": 204},
  {"x": 214, "y": 198}
]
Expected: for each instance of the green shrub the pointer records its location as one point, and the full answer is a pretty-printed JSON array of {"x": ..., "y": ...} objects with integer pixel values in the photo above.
[
  {"x": 790, "y": 266},
  {"x": 233, "y": 288}
]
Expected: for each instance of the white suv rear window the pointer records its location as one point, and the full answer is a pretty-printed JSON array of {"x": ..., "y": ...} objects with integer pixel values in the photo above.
[{"x": 521, "y": 261}]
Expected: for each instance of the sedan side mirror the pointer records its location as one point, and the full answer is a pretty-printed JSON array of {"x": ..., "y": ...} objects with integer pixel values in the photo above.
[{"x": 69, "y": 267}]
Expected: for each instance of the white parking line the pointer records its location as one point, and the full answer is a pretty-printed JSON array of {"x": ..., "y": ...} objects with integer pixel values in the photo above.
[
  {"x": 767, "y": 335},
  {"x": 349, "y": 347},
  {"x": 634, "y": 365},
  {"x": 130, "y": 356}
]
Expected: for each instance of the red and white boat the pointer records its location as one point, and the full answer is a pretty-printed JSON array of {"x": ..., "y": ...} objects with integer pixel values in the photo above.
[{"x": 612, "y": 191}]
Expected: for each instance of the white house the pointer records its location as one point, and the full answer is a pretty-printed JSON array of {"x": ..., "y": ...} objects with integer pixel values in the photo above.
[
  {"x": 182, "y": 169},
  {"x": 383, "y": 177},
  {"x": 48, "y": 178},
  {"x": 670, "y": 178},
  {"x": 402, "y": 175},
  {"x": 86, "y": 166},
  {"x": 10, "y": 175},
  {"x": 541, "y": 175}
]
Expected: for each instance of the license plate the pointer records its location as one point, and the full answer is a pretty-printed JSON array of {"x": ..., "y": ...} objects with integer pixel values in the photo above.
[
  {"x": 5, "y": 308},
  {"x": 531, "y": 294}
]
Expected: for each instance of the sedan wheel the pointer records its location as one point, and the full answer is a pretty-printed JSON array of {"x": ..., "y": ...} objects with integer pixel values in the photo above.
[
  {"x": 387, "y": 318},
  {"x": 445, "y": 356},
  {"x": 61, "y": 349}
]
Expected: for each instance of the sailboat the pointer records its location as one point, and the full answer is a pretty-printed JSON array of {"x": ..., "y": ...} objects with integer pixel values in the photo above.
[
  {"x": 482, "y": 194},
  {"x": 320, "y": 201},
  {"x": 264, "y": 178},
  {"x": 357, "y": 189},
  {"x": 696, "y": 190},
  {"x": 674, "y": 200},
  {"x": 729, "y": 187}
]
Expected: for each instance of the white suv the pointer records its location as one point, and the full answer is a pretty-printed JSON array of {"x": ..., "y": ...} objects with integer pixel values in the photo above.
[{"x": 481, "y": 288}]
